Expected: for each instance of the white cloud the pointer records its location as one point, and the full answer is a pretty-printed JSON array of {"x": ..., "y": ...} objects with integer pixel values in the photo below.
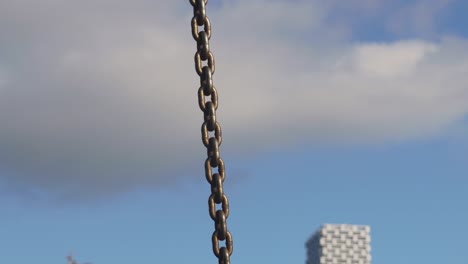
[
  {"x": 391, "y": 59},
  {"x": 100, "y": 97}
]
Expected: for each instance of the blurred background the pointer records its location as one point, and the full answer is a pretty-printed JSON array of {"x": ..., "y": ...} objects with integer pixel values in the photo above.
[{"x": 331, "y": 112}]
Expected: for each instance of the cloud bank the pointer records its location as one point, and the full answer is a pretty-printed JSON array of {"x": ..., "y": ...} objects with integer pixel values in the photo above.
[{"x": 99, "y": 97}]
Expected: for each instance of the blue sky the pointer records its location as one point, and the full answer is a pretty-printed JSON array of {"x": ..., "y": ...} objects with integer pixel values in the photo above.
[{"x": 349, "y": 113}]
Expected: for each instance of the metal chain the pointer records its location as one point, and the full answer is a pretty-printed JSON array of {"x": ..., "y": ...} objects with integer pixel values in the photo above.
[{"x": 212, "y": 143}]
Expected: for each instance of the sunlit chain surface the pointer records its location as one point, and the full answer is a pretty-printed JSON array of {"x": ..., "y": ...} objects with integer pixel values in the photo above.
[
  {"x": 339, "y": 244},
  {"x": 212, "y": 142}
]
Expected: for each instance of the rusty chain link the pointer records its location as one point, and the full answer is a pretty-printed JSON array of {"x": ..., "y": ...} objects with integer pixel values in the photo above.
[{"x": 210, "y": 124}]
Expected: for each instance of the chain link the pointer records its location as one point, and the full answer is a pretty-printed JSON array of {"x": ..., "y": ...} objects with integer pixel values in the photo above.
[{"x": 210, "y": 124}]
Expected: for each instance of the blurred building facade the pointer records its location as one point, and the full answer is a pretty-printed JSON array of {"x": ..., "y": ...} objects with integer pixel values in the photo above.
[{"x": 339, "y": 244}]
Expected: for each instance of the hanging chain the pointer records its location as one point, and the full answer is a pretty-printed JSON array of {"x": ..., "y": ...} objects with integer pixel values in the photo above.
[{"x": 210, "y": 124}]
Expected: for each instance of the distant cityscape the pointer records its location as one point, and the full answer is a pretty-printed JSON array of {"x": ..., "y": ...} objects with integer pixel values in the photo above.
[
  {"x": 332, "y": 244},
  {"x": 339, "y": 244}
]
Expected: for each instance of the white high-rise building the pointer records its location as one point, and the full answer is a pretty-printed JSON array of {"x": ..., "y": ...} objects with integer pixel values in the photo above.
[{"x": 339, "y": 244}]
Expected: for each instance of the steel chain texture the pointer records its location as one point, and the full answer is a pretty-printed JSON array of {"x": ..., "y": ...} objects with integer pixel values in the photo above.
[{"x": 210, "y": 124}]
